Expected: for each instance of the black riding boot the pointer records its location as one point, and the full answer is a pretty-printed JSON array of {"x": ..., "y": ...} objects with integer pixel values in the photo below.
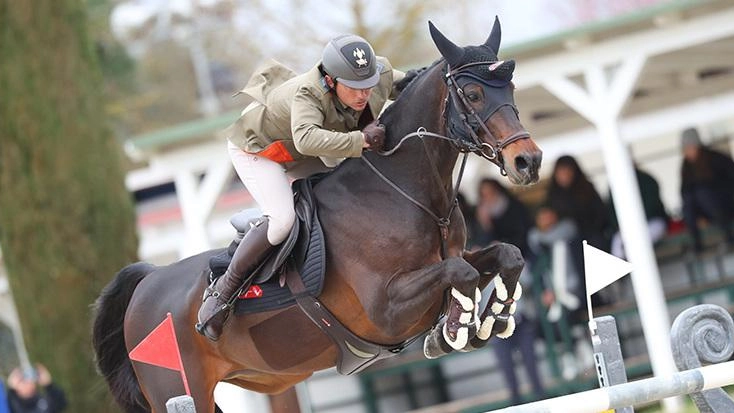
[{"x": 215, "y": 309}]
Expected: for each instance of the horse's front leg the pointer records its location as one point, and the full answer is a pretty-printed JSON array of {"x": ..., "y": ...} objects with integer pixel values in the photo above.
[
  {"x": 500, "y": 259},
  {"x": 410, "y": 295},
  {"x": 503, "y": 263}
]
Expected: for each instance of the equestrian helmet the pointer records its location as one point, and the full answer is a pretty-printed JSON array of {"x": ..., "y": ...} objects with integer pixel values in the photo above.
[{"x": 350, "y": 60}]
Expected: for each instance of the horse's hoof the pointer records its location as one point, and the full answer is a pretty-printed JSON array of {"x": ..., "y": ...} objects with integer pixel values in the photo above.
[
  {"x": 434, "y": 346},
  {"x": 510, "y": 330},
  {"x": 461, "y": 320},
  {"x": 460, "y": 338}
]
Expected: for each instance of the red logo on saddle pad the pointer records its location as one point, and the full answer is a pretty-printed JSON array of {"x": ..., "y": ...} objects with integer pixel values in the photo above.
[{"x": 253, "y": 292}]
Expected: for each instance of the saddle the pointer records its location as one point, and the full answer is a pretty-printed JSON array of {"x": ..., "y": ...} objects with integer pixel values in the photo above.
[
  {"x": 303, "y": 252},
  {"x": 294, "y": 274}
]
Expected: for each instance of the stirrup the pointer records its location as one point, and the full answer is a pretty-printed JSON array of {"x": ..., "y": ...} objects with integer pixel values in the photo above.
[
  {"x": 201, "y": 326},
  {"x": 210, "y": 291}
]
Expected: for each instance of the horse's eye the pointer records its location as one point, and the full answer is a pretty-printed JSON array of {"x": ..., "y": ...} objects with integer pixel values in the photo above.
[{"x": 473, "y": 97}]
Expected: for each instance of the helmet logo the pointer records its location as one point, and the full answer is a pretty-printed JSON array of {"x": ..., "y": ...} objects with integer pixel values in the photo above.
[{"x": 359, "y": 56}]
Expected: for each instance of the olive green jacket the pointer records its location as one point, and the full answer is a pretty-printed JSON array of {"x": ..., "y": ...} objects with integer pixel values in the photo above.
[{"x": 294, "y": 116}]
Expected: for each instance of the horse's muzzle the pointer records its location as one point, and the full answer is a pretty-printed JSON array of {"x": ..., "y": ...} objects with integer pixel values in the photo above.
[{"x": 523, "y": 168}]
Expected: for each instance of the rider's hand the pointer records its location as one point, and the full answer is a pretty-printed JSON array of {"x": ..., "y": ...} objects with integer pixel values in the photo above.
[
  {"x": 15, "y": 378},
  {"x": 374, "y": 136},
  {"x": 44, "y": 377},
  {"x": 548, "y": 298}
]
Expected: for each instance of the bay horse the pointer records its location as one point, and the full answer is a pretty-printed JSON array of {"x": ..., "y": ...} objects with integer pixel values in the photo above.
[{"x": 395, "y": 251}]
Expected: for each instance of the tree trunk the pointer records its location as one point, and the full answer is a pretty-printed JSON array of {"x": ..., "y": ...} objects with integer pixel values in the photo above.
[{"x": 66, "y": 221}]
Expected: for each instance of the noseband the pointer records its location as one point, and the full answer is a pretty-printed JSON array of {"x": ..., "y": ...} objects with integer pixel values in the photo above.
[{"x": 468, "y": 116}]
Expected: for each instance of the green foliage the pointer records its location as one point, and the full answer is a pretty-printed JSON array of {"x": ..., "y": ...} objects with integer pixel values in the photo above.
[
  {"x": 66, "y": 220},
  {"x": 8, "y": 353}
]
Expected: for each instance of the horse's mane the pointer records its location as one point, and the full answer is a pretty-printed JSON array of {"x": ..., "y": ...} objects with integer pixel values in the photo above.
[{"x": 406, "y": 86}]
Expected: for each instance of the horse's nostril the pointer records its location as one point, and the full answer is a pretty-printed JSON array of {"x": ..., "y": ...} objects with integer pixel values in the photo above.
[{"x": 521, "y": 163}]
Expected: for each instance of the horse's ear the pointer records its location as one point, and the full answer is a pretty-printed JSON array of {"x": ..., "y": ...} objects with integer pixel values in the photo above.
[
  {"x": 493, "y": 41},
  {"x": 451, "y": 52}
]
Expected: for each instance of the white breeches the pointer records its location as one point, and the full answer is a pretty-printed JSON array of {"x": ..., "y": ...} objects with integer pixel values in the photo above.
[{"x": 268, "y": 184}]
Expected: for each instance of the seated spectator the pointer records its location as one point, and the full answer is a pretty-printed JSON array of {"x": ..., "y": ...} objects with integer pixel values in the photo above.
[
  {"x": 561, "y": 288},
  {"x": 572, "y": 196},
  {"x": 707, "y": 187},
  {"x": 564, "y": 286},
  {"x": 657, "y": 218},
  {"x": 34, "y": 392}
]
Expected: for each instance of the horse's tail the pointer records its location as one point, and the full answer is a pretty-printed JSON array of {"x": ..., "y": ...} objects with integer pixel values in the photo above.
[{"x": 109, "y": 341}]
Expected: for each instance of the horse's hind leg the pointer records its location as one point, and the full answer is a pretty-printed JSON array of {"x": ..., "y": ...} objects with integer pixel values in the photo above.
[
  {"x": 160, "y": 385},
  {"x": 500, "y": 259}
]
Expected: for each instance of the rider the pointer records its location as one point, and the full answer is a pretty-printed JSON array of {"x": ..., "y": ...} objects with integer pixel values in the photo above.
[{"x": 329, "y": 112}]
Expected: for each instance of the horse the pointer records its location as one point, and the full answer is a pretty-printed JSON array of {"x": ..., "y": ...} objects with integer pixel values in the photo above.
[{"x": 395, "y": 259}]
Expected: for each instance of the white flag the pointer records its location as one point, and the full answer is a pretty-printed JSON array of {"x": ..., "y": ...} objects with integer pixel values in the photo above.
[{"x": 602, "y": 269}]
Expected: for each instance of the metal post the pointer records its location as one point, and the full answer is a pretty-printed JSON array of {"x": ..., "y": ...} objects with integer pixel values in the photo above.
[
  {"x": 181, "y": 404},
  {"x": 608, "y": 355}
]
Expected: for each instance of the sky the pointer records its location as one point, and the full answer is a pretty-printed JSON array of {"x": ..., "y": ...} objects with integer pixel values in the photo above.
[
  {"x": 291, "y": 28},
  {"x": 521, "y": 20}
]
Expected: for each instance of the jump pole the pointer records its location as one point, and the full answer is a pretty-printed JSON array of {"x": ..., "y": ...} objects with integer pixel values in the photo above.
[{"x": 636, "y": 392}]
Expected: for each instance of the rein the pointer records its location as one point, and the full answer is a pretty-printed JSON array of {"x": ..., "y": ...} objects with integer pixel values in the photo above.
[
  {"x": 476, "y": 146},
  {"x": 442, "y": 222}
]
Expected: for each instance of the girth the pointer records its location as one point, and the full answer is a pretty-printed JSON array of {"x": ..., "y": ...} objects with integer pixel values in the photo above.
[{"x": 354, "y": 353}]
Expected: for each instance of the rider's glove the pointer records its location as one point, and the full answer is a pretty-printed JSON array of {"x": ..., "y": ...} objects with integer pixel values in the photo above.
[{"x": 374, "y": 135}]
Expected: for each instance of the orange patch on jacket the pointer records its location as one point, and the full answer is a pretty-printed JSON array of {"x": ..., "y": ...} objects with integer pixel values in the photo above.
[{"x": 276, "y": 152}]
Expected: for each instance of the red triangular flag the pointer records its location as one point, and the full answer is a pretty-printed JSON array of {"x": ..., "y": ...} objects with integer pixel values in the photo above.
[{"x": 160, "y": 347}]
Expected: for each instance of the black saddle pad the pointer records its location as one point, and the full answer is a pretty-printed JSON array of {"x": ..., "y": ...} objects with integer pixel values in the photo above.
[{"x": 306, "y": 255}]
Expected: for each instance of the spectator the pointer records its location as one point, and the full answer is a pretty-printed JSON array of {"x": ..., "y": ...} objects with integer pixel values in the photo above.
[
  {"x": 561, "y": 287},
  {"x": 3, "y": 400},
  {"x": 34, "y": 392},
  {"x": 564, "y": 286},
  {"x": 572, "y": 196},
  {"x": 707, "y": 187},
  {"x": 501, "y": 217},
  {"x": 472, "y": 228},
  {"x": 523, "y": 340},
  {"x": 657, "y": 218}
]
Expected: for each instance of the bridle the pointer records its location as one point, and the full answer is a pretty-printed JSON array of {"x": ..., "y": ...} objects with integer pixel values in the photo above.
[
  {"x": 468, "y": 115},
  {"x": 473, "y": 144}
]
